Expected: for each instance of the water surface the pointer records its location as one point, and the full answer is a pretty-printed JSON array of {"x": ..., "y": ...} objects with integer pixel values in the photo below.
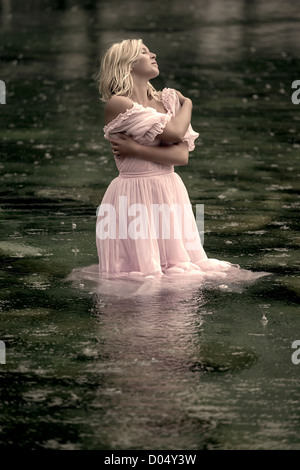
[{"x": 184, "y": 368}]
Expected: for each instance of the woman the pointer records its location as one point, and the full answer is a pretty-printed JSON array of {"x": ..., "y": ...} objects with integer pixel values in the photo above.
[{"x": 145, "y": 223}]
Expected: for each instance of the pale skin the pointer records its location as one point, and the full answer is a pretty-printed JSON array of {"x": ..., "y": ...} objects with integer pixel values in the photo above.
[{"x": 124, "y": 146}]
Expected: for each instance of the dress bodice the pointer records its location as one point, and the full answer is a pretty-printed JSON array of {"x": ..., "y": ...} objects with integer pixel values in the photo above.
[{"x": 144, "y": 124}]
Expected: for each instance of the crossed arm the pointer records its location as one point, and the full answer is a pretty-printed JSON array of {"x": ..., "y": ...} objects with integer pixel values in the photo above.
[{"x": 175, "y": 154}]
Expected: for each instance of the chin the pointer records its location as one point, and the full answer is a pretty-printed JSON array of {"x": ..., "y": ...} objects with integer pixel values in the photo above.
[{"x": 155, "y": 74}]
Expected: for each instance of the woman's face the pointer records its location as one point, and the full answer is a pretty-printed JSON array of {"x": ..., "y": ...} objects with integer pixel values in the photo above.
[{"x": 146, "y": 65}]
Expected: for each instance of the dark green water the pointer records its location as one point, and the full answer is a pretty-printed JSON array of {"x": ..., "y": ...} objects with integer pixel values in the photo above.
[{"x": 183, "y": 370}]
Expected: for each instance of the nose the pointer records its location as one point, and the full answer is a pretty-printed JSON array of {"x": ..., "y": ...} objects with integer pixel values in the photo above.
[{"x": 153, "y": 56}]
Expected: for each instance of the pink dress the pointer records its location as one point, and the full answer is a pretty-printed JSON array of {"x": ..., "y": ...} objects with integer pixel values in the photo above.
[{"x": 145, "y": 223}]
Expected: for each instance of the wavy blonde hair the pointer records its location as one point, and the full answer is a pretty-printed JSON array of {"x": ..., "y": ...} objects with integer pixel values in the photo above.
[{"x": 114, "y": 77}]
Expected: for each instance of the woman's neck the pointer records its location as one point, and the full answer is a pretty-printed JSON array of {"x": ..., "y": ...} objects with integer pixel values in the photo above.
[{"x": 139, "y": 93}]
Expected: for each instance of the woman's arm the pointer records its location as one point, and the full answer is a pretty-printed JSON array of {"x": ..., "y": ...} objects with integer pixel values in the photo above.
[
  {"x": 175, "y": 130},
  {"x": 176, "y": 154}
]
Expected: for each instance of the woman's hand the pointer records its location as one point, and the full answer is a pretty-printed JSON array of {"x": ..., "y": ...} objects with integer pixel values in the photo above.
[
  {"x": 182, "y": 98},
  {"x": 124, "y": 146}
]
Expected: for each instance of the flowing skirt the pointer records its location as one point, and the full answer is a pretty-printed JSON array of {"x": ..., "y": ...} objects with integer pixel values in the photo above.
[
  {"x": 146, "y": 230},
  {"x": 146, "y": 226}
]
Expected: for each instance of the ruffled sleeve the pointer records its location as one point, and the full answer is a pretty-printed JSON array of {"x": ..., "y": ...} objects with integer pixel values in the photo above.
[
  {"x": 141, "y": 123},
  {"x": 171, "y": 102},
  {"x": 190, "y": 137}
]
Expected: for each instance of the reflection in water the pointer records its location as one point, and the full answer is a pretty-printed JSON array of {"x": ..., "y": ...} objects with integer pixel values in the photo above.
[
  {"x": 159, "y": 319},
  {"x": 149, "y": 342},
  {"x": 154, "y": 350},
  {"x": 150, "y": 326}
]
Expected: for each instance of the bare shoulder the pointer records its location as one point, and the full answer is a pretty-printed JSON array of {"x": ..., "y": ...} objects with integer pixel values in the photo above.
[{"x": 115, "y": 106}]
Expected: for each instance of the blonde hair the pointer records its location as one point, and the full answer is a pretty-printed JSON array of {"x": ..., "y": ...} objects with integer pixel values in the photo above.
[{"x": 114, "y": 77}]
